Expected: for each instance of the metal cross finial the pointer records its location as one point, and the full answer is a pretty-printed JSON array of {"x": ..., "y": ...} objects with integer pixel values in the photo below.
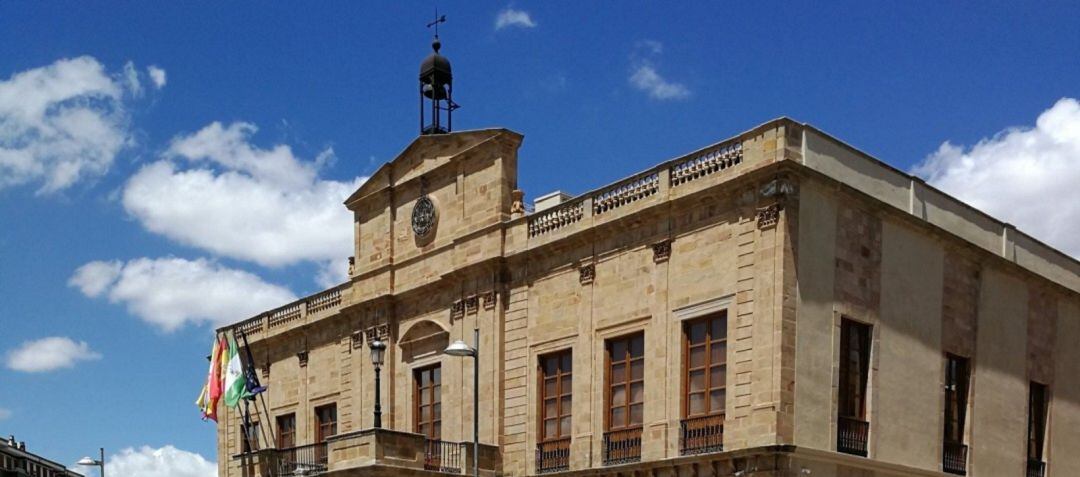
[{"x": 438, "y": 20}]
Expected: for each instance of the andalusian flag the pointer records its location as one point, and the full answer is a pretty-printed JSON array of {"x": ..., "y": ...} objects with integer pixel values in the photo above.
[{"x": 234, "y": 375}]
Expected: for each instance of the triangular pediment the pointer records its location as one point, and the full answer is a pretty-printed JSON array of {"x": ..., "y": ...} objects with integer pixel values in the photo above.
[{"x": 426, "y": 153}]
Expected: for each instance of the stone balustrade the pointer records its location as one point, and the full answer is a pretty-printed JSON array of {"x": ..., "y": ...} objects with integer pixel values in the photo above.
[
  {"x": 322, "y": 303},
  {"x": 636, "y": 188}
]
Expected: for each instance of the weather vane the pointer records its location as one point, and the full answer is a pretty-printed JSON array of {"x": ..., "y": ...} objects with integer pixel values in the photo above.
[{"x": 438, "y": 20}]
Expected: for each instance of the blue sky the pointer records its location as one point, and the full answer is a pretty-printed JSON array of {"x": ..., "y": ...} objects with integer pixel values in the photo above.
[{"x": 177, "y": 113}]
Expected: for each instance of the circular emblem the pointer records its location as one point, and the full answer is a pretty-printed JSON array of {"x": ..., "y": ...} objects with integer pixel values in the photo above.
[{"x": 423, "y": 216}]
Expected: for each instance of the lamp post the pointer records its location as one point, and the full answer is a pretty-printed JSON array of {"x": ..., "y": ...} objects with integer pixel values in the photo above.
[
  {"x": 87, "y": 461},
  {"x": 461, "y": 350},
  {"x": 378, "y": 352}
]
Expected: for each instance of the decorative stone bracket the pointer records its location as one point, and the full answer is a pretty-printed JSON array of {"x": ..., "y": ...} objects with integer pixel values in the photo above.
[
  {"x": 489, "y": 299},
  {"x": 661, "y": 251},
  {"x": 768, "y": 216},
  {"x": 302, "y": 357},
  {"x": 587, "y": 273}
]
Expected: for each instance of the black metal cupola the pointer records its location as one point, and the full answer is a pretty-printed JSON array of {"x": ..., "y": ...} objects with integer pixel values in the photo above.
[{"x": 436, "y": 88}]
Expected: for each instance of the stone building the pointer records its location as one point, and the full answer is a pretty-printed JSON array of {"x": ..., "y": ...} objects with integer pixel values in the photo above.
[
  {"x": 16, "y": 461},
  {"x": 775, "y": 304}
]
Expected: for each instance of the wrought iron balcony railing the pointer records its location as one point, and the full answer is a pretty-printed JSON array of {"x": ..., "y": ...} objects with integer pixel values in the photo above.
[
  {"x": 443, "y": 456},
  {"x": 851, "y": 436},
  {"x": 553, "y": 456},
  {"x": 622, "y": 447},
  {"x": 1036, "y": 468},
  {"x": 307, "y": 460},
  {"x": 701, "y": 435},
  {"x": 954, "y": 458}
]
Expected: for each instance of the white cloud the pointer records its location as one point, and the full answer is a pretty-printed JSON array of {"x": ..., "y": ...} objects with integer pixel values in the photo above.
[
  {"x": 4, "y": 413},
  {"x": 510, "y": 17},
  {"x": 130, "y": 77},
  {"x": 171, "y": 292},
  {"x": 167, "y": 461},
  {"x": 216, "y": 191},
  {"x": 49, "y": 354},
  {"x": 96, "y": 277},
  {"x": 645, "y": 77},
  {"x": 1025, "y": 176},
  {"x": 61, "y": 123},
  {"x": 157, "y": 76}
]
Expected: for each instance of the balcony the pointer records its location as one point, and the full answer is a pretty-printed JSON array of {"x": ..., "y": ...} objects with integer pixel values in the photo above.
[
  {"x": 379, "y": 451},
  {"x": 851, "y": 436},
  {"x": 954, "y": 458},
  {"x": 1036, "y": 468},
  {"x": 443, "y": 456},
  {"x": 622, "y": 447},
  {"x": 701, "y": 435},
  {"x": 553, "y": 456}
]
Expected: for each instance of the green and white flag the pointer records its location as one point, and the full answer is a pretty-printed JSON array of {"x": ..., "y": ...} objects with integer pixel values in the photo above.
[{"x": 234, "y": 374}]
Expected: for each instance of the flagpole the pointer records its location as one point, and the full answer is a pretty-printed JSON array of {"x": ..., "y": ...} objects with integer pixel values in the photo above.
[{"x": 251, "y": 369}]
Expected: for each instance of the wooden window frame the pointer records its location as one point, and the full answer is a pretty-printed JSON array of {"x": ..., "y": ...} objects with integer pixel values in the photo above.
[
  {"x": 281, "y": 440},
  {"x": 957, "y": 394},
  {"x": 628, "y": 360},
  {"x": 325, "y": 429},
  {"x": 560, "y": 377},
  {"x": 709, "y": 342},
  {"x": 1038, "y": 415},
  {"x": 249, "y": 437},
  {"x": 435, "y": 390},
  {"x": 847, "y": 326}
]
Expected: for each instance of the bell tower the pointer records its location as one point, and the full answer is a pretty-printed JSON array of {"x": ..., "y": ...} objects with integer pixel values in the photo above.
[{"x": 436, "y": 88}]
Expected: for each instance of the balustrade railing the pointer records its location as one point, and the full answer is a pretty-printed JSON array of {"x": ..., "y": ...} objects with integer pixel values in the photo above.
[
  {"x": 851, "y": 436},
  {"x": 701, "y": 435},
  {"x": 553, "y": 456},
  {"x": 954, "y": 458},
  {"x": 285, "y": 314},
  {"x": 706, "y": 163},
  {"x": 442, "y": 456},
  {"x": 556, "y": 217},
  {"x": 622, "y": 447},
  {"x": 308, "y": 460},
  {"x": 1036, "y": 468},
  {"x": 631, "y": 190},
  {"x": 324, "y": 301}
]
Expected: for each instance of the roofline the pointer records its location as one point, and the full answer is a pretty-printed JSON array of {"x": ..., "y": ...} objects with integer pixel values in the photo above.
[{"x": 926, "y": 184}]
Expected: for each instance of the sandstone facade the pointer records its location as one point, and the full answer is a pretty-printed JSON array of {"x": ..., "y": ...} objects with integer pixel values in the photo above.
[{"x": 783, "y": 230}]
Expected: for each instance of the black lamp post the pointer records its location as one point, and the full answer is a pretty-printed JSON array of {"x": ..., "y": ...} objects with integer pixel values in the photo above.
[
  {"x": 462, "y": 350},
  {"x": 378, "y": 352}
]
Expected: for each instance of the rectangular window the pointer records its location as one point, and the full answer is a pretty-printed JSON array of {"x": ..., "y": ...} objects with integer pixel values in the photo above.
[
  {"x": 705, "y": 366},
  {"x": 957, "y": 379},
  {"x": 249, "y": 437},
  {"x": 325, "y": 422},
  {"x": 286, "y": 426},
  {"x": 428, "y": 402},
  {"x": 852, "y": 427},
  {"x": 704, "y": 384},
  {"x": 626, "y": 382},
  {"x": 1038, "y": 400},
  {"x": 625, "y": 399},
  {"x": 555, "y": 395}
]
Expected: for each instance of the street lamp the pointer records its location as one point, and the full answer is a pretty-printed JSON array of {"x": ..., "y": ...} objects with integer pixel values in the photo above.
[
  {"x": 378, "y": 352},
  {"x": 460, "y": 349},
  {"x": 87, "y": 461}
]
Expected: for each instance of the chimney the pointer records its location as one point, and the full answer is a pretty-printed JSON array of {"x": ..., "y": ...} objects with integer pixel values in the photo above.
[
  {"x": 22, "y": 445},
  {"x": 550, "y": 200}
]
